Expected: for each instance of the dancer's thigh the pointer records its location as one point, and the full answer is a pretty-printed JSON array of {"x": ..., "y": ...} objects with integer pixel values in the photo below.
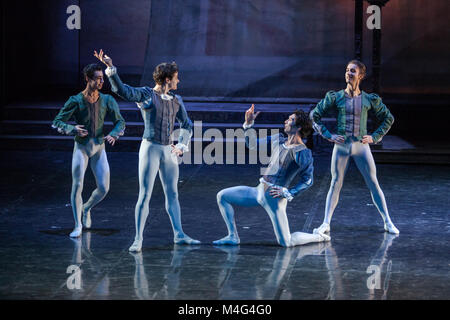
[
  {"x": 100, "y": 167},
  {"x": 79, "y": 162},
  {"x": 243, "y": 196},
  {"x": 149, "y": 161}
]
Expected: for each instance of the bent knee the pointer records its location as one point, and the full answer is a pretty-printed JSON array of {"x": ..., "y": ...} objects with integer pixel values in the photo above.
[{"x": 221, "y": 195}]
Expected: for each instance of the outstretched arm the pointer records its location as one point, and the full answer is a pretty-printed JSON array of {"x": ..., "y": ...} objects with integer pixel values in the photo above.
[{"x": 125, "y": 91}]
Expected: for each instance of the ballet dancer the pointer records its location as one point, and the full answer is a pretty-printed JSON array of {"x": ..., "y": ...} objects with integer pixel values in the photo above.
[
  {"x": 89, "y": 109},
  {"x": 290, "y": 158},
  {"x": 352, "y": 141},
  {"x": 159, "y": 108}
]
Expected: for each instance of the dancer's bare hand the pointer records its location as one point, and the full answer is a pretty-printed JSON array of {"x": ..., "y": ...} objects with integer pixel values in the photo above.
[
  {"x": 337, "y": 139},
  {"x": 250, "y": 114},
  {"x": 111, "y": 140},
  {"x": 177, "y": 151},
  {"x": 276, "y": 192},
  {"x": 367, "y": 139},
  {"x": 81, "y": 131},
  {"x": 103, "y": 58}
]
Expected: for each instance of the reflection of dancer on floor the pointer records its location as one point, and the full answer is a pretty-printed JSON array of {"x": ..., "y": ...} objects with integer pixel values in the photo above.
[
  {"x": 290, "y": 158},
  {"x": 159, "y": 108},
  {"x": 380, "y": 260},
  {"x": 171, "y": 284},
  {"x": 87, "y": 262},
  {"x": 89, "y": 109},
  {"x": 351, "y": 140},
  {"x": 265, "y": 285}
]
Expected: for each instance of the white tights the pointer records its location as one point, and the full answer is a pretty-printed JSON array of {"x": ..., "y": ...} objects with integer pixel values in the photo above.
[
  {"x": 275, "y": 208},
  {"x": 364, "y": 161},
  {"x": 154, "y": 158},
  {"x": 100, "y": 168}
]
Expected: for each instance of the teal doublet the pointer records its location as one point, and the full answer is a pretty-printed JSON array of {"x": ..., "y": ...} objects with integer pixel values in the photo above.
[
  {"x": 336, "y": 101},
  {"x": 78, "y": 108}
]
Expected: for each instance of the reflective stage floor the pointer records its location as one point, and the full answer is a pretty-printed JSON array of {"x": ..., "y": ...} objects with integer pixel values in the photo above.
[{"x": 40, "y": 261}]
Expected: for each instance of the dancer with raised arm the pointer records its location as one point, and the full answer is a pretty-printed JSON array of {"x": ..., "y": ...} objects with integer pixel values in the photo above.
[
  {"x": 290, "y": 159},
  {"x": 352, "y": 141},
  {"x": 159, "y": 108}
]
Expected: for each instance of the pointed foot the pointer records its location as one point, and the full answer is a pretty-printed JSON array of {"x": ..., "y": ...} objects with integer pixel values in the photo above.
[
  {"x": 389, "y": 227},
  {"x": 86, "y": 219}
]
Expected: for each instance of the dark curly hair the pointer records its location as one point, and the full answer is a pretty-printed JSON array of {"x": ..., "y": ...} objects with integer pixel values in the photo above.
[
  {"x": 164, "y": 70},
  {"x": 90, "y": 69},
  {"x": 303, "y": 121}
]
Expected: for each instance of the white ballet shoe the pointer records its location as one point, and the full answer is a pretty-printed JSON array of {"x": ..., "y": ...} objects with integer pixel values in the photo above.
[
  {"x": 136, "y": 246},
  {"x": 228, "y": 240},
  {"x": 324, "y": 228},
  {"x": 87, "y": 222},
  {"x": 389, "y": 227},
  {"x": 76, "y": 232},
  {"x": 324, "y": 237},
  {"x": 185, "y": 240}
]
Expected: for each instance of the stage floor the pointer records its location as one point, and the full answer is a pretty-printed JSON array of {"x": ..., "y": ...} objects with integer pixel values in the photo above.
[{"x": 40, "y": 261}]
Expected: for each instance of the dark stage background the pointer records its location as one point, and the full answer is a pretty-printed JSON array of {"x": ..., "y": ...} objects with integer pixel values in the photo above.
[{"x": 234, "y": 48}]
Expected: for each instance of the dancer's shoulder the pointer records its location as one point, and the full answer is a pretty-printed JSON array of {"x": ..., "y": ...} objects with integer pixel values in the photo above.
[
  {"x": 178, "y": 98},
  {"x": 304, "y": 157},
  {"x": 372, "y": 96}
]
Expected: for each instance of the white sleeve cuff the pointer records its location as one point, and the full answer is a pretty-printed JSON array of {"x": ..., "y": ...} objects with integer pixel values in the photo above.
[
  {"x": 110, "y": 71},
  {"x": 287, "y": 194},
  {"x": 248, "y": 126},
  {"x": 182, "y": 147}
]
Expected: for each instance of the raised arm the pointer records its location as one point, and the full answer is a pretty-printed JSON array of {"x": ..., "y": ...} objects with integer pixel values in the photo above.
[
  {"x": 251, "y": 140},
  {"x": 125, "y": 91}
]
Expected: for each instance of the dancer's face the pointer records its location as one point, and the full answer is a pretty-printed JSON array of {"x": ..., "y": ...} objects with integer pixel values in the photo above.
[
  {"x": 173, "y": 84},
  {"x": 289, "y": 125},
  {"x": 96, "y": 83},
  {"x": 353, "y": 74}
]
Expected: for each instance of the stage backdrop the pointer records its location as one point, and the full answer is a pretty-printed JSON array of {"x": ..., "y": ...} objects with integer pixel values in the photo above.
[
  {"x": 294, "y": 49},
  {"x": 252, "y": 48},
  {"x": 226, "y": 48}
]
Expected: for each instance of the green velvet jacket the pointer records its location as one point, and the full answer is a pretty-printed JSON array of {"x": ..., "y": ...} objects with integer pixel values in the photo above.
[
  {"x": 335, "y": 102},
  {"x": 77, "y": 108}
]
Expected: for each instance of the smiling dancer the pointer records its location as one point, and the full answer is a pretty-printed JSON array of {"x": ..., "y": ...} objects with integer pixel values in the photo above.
[
  {"x": 352, "y": 140},
  {"x": 159, "y": 108},
  {"x": 290, "y": 158},
  {"x": 89, "y": 109}
]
